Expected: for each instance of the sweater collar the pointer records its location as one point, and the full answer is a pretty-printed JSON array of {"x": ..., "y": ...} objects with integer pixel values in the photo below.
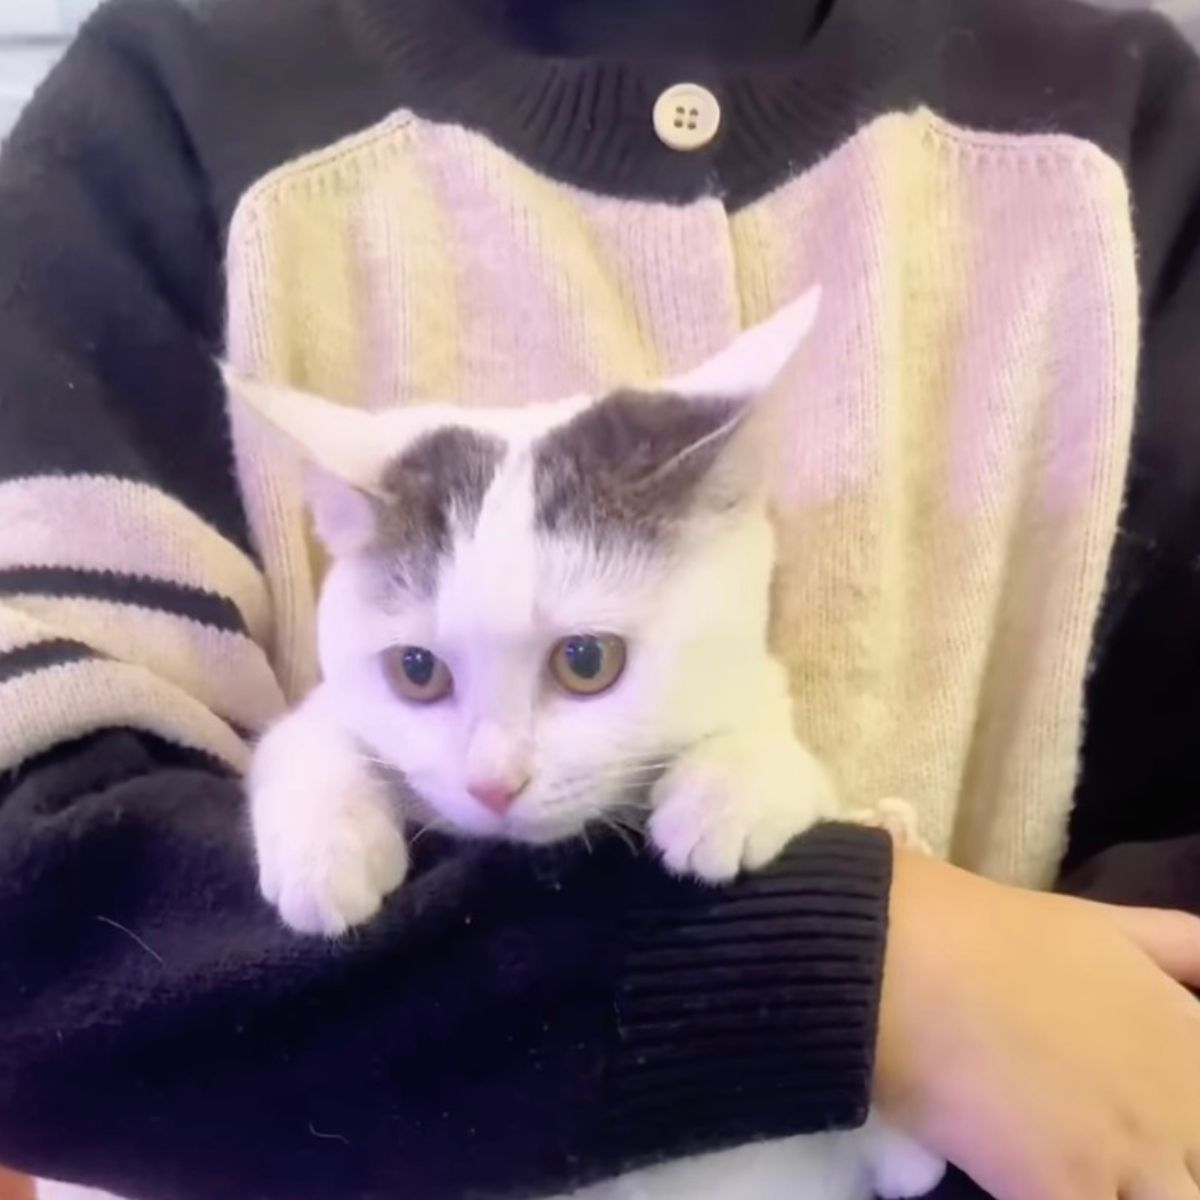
[
  {"x": 569, "y": 86},
  {"x": 633, "y": 30}
]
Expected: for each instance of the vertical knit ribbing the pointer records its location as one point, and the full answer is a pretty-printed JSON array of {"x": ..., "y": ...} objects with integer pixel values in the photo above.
[{"x": 948, "y": 488}]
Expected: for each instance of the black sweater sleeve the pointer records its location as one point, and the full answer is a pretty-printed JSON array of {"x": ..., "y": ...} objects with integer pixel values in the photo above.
[
  {"x": 513, "y": 1022},
  {"x": 1137, "y": 809}
]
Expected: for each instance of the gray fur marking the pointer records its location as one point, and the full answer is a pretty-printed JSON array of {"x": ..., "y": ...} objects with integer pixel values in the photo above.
[
  {"x": 619, "y": 471},
  {"x": 436, "y": 485}
]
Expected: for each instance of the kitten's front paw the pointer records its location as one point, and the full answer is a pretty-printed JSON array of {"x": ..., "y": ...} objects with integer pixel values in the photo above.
[
  {"x": 901, "y": 1168},
  {"x": 329, "y": 868},
  {"x": 734, "y": 803}
]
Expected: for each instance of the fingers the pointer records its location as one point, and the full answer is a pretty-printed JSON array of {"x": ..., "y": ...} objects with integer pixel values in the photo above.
[
  {"x": 1171, "y": 939},
  {"x": 1171, "y": 1184}
]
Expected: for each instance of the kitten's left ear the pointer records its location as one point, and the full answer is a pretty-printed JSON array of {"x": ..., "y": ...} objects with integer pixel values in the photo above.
[
  {"x": 754, "y": 362},
  {"x": 342, "y": 449}
]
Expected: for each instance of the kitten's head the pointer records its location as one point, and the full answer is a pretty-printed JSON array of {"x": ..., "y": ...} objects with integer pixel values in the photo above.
[{"x": 530, "y": 611}]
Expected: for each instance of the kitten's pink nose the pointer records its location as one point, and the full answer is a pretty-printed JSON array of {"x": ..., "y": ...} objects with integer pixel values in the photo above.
[{"x": 496, "y": 795}]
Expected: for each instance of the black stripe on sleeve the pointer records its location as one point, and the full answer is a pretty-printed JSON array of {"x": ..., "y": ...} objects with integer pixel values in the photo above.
[
  {"x": 175, "y": 598},
  {"x": 58, "y": 652}
]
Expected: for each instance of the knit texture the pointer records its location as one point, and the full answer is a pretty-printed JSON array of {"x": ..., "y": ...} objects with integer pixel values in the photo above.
[
  {"x": 514, "y": 1023},
  {"x": 466, "y": 200},
  {"x": 955, "y": 456},
  {"x": 706, "y": 992}
]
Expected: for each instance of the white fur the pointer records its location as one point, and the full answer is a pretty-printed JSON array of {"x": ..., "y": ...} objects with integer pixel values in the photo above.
[
  {"x": 818, "y": 1167},
  {"x": 700, "y": 726},
  {"x": 325, "y": 831},
  {"x": 48, "y": 1189},
  {"x": 874, "y": 1160}
]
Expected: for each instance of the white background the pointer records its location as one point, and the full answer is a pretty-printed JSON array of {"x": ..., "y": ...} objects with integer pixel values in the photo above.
[{"x": 32, "y": 33}]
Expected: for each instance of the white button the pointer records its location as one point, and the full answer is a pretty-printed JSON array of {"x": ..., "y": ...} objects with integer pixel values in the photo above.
[{"x": 687, "y": 116}]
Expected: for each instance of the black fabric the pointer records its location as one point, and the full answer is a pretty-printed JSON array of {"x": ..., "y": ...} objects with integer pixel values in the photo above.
[
  {"x": 110, "y": 292},
  {"x": 693, "y": 986},
  {"x": 158, "y": 1032},
  {"x": 568, "y": 86},
  {"x": 957, "y": 1186},
  {"x": 570, "y": 91},
  {"x": 1156, "y": 874},
  {"x": 69, "y": 582},
  {"x": 41, "y": 656},
  {"x": 161, "y": 1034},
  {"x": 1140, "y": 772}
]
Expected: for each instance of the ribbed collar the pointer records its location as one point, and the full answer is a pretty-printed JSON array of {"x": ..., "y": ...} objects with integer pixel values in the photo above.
[{"x": 569, "y": 85}]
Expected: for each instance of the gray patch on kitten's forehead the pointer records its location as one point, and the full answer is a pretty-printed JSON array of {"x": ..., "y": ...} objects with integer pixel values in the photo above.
[
  {"x": 619, "y": 471},
  {"x": 436, "y": 485}
]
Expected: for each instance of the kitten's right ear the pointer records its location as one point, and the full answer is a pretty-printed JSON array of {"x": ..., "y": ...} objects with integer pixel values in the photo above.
[{"x": 343, "y": 453}]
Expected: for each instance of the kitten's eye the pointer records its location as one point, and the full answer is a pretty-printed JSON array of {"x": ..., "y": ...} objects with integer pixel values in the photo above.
[
  {"x": 417, "y": 674},
  {"x": 587, "y": 664}
]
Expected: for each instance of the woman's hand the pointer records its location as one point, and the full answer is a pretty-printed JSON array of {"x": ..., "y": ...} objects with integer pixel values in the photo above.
[{"x": 1038, "y": 1042}]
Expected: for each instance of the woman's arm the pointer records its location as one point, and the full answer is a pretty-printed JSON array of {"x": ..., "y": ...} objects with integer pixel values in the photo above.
[{"x": 510, "y": 1024}]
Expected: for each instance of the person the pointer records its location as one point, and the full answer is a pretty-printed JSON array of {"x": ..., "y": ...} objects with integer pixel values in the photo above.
[{"x": 988, "y": 533}]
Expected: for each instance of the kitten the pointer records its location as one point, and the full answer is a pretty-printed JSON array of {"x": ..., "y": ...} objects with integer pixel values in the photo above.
[{"x": 532, "y": 616}]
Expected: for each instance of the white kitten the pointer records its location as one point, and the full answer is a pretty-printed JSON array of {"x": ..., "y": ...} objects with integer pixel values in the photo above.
[{"x": 545, "y": 618}]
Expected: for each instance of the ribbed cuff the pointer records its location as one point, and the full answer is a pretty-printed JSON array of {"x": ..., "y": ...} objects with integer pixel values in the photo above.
[{"x": 750, "y": 1012}]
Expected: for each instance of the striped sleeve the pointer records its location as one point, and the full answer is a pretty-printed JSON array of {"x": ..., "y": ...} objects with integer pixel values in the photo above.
[{"x": 128, "y": 594}]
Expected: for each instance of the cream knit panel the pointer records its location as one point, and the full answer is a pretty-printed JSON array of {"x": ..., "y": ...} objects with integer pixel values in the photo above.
[{"x": 949, "y": 487}]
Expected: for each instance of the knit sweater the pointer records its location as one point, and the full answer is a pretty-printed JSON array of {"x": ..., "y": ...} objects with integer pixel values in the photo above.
[{"x": 985, "y": 496}]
